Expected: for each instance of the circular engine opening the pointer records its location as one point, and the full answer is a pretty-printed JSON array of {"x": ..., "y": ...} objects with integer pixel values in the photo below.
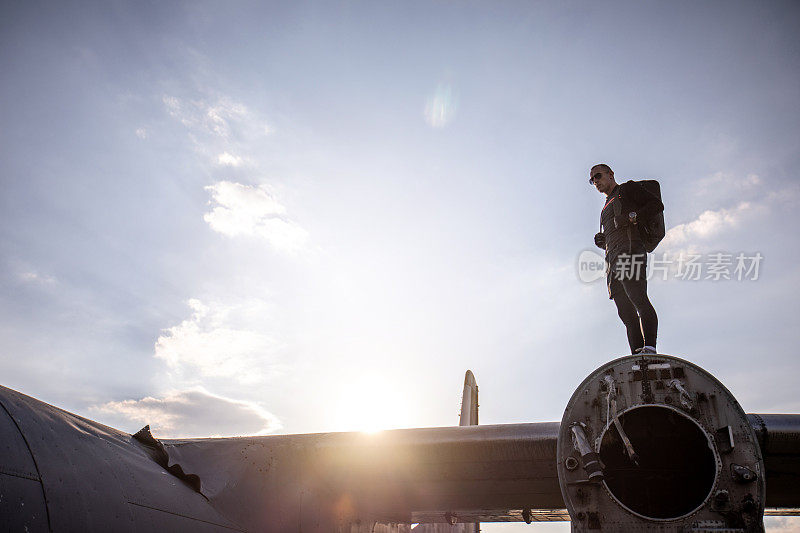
[{"x": 676, "y": 465}]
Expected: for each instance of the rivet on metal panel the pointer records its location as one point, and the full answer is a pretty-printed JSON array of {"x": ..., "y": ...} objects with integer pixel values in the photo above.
[
  {"x": 721, "y": 499},
  {"x": 749, "y": 504},
  {"x": 571, "y": 463},
  {"x": 594, "y": 521}
]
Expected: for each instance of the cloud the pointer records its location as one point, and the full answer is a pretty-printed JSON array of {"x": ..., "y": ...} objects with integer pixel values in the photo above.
[
  {"x": 141, "y": 133},
  {"x": 727, "y": 182},
  {"x": 228, "y": 133},
  {"x": 37, "y": 278},
  {"x": 220, "y": 115},
  {"x": 440, "y": 107},
  {"x": 705, "y": 226},
  {"x": 223, "y": 119},
  {"x": 788, "y": 196},
  {"x": 190, "y": 413},
  {"x": 212, "y": 343},
  {"x": 229, "y": 160},
  {"x": 724, "y": 188},
  {"x": 253, "y": 211}
]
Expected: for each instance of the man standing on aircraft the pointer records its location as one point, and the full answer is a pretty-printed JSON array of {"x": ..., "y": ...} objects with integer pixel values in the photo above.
[{"x": 626, "y": 258}]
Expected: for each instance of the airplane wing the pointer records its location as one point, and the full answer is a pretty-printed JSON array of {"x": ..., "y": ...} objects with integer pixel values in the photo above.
[{"x": 59, "y": 471}]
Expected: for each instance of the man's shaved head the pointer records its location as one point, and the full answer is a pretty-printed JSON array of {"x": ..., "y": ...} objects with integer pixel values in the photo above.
[{"x": 601, "y": 166}]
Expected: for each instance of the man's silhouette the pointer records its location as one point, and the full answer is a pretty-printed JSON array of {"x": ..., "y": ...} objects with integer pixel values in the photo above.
[{"x": 626, "y": 258}]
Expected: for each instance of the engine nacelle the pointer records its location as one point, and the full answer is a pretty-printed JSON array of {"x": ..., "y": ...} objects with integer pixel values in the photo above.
[{"x": 657, "y": 443}]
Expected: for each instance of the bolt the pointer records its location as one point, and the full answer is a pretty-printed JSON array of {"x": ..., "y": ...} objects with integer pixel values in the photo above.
[
  {"x": 748, "y": 504},
  {"x": 721, "y": 498}
]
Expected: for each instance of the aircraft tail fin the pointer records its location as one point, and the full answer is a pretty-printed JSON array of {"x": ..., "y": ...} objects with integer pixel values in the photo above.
[
  {"x": 469, "y": 401},
  {"x": 468, "y": 417}
]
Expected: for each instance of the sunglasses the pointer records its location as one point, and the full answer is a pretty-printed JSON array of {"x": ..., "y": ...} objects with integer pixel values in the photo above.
[{"x": 595, "y": 177}]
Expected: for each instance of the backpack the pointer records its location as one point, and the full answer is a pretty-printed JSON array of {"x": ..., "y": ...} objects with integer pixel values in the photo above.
[{"x": 652, "y": 229}]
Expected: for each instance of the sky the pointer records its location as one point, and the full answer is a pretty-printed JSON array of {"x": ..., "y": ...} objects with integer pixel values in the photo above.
[{"x": 256, "y": 217}]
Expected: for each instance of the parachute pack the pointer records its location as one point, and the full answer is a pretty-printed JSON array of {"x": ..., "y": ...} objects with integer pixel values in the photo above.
[{"x": 652, "y": 229}]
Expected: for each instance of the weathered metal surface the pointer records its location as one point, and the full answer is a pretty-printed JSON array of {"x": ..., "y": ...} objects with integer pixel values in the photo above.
[
  {"x": 94, "y": 476},
  {"x": 669, "y": 447},
  {"x": 22, "y": 506},
  {"x": 779, "y": 438},
  {"x": 22, "y": 503},
  {"x": 385, "y": 476},
  {"x": 98, "y": 478}
]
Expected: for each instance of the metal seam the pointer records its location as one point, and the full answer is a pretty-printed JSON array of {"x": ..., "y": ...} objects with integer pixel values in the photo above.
[
  {"x": 35, "y": 464},
  {"x": 184, "y": 516},
  {"x": 13, "y": 473}
]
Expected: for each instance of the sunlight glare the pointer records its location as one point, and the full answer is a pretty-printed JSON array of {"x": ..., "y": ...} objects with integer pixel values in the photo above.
[{"x": 368, "y": 404}]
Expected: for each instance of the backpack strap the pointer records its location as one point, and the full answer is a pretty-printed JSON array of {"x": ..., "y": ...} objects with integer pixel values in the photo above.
[{"x": 617, "y": 212}]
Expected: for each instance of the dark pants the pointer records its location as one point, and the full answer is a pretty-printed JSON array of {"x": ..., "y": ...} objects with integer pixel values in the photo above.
[{"x": 634, "y": 308}]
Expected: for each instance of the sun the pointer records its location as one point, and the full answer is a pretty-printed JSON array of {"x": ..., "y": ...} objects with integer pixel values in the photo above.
[{"x": 370, "y": 404}]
